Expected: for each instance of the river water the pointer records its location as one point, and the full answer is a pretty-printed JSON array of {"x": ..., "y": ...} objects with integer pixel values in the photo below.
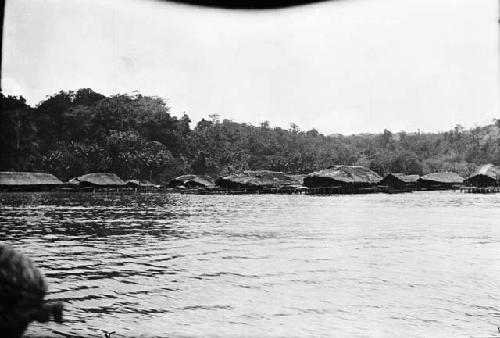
[{"x": 425, "y": 264}]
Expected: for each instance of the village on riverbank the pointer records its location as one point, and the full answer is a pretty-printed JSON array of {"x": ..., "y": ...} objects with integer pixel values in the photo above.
[
  {"x": 129, "y": 142},
  {"x": 338, "y": 179}
]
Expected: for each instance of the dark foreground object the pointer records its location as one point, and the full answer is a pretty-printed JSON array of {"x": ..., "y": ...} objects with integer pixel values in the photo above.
[
  {"x": 247, "y": 4},
  {"x": 22, "y": 293}
]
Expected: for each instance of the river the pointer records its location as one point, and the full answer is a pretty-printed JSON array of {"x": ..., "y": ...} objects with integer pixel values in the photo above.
[{"x": 424, "y": 264}]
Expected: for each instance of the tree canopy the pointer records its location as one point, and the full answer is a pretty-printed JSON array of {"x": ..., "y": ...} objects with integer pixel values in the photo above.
[{"x": 135, "y": 136}]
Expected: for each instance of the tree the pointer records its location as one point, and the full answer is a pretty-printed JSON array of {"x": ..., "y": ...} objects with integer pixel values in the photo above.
[
  {"x": 71, "y": 159},
  {"x": 294, "y": 129},
  {"x": 18, "y": 142},
  {"x": 385, "y": 138},
  {"x": 406, "y": 162}
]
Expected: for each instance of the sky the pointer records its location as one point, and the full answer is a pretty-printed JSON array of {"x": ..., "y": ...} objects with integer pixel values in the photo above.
[{"x": 348, "y": 66}]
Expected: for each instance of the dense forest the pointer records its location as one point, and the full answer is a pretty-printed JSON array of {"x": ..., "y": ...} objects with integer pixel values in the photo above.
[{"x": 135, "y": 136}]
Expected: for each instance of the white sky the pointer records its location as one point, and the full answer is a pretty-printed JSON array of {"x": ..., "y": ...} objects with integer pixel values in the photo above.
[{"x": 345, "y": 66}]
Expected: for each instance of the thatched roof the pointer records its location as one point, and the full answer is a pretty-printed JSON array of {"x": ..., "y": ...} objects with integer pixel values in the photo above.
[
  {"x": 193, "y": 180},
  {"x": 141, "y": 183},
  {"x": 28, "y": 179},
  {"x": 443, "y": 177},
  {"x": 100, "y": 179},
  {"x": 405, "y": 178},
  {"x": 258, "y": 178},
  {"x": 342, "y": 174}
]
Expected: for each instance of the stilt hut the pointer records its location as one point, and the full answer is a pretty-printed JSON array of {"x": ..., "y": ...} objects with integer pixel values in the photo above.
[
  {"x": 192, "y": 182},
  {"x": 142, "y": 185},
  {"x": 440, "y": 181},
  {"x": 487, "y": 176},
  {"x": 98, "y": 180},
  {"x": 28, "y": 181},
  {"x": 294, "y": 184},
  {"x": 258, "y": 181},
  {"x": 400, "y": 181},
  {"x": 342, "y": 179}
]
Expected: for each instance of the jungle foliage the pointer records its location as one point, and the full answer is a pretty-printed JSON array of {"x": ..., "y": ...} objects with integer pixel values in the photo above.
[{"x": 75, "y": 132}]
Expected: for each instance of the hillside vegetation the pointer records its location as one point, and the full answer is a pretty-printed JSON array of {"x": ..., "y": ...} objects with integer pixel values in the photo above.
[{"x": 135, "y": 136}]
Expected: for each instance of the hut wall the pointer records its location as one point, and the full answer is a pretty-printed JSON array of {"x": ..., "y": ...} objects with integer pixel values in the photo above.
[
  {"x": 175, "y": 183},
  {"x": 433, "y": 185},
  {"x": 87, "y": 184},
  {"x": 29, "y": 187},
  {"x": 233, "y": 185},
  {"x": 320, "y": 181},
  {"x": 258, "y": 180},
  {"x": 482, "y": 181},
  {"x": 393, "y": 182}
]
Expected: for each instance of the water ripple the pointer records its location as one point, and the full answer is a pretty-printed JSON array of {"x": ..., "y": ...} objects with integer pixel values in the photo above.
[{"x": 422, "y": 264}]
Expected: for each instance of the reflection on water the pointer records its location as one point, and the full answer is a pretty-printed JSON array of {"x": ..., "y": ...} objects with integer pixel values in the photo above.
[{"x": 422, "y": 264}]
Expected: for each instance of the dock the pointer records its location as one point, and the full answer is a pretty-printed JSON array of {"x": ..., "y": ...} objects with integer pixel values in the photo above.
[{"x": 477, "y": 190}]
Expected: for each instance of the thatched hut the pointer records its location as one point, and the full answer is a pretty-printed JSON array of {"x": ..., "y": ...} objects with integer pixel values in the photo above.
[
  {"x": 192, "y": 181},
  {"x": 346, "y": 179},
  {"x": 99, "y": 180},
  {"x": 142, "y": 184},
  {"x": 487, "y": 176},
  {"x": 400, "y": 181},
  {"x": 28, "y": 181},
  {"x": 257, "y": 180},
  {"x": 440, "y": 181}
]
